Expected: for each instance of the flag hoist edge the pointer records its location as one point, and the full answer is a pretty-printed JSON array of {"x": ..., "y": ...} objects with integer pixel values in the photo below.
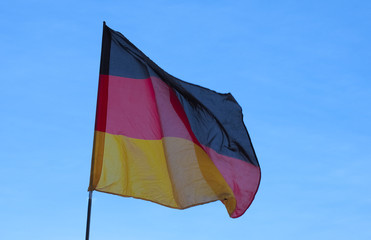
[{"x": 164, "y": 140}]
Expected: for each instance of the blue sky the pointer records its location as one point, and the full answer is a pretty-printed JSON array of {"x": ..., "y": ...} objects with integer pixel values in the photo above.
[{"x": 299, "y": 69}]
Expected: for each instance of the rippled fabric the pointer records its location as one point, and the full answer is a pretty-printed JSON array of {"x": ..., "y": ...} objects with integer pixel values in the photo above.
[{"x": 161, "y": 139}]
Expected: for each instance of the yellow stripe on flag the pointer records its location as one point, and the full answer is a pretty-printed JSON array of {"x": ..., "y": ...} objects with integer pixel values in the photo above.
[{"x": 172, "y": 171}]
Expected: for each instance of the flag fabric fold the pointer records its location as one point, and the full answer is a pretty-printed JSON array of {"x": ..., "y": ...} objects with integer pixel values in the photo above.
[{"x": 164, "y": 140}]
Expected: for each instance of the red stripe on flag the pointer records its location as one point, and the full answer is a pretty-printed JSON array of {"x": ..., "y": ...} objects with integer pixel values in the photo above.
[
  {"x": 101, "y": 113},
  {"x": 144, "y": 109},
  {"x": 242, "y": 177}
]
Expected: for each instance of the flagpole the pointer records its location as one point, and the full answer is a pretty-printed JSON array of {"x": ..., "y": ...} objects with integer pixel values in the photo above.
[
  {"x": 88, "y": 217},
  {"x": 92, "y": 164}
]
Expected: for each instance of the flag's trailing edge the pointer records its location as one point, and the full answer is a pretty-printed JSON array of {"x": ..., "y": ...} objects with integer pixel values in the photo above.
[{"x": 164, "y": 140}]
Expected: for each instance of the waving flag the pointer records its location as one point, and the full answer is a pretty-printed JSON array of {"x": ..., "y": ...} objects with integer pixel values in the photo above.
[{"x": 164, "y": 140}]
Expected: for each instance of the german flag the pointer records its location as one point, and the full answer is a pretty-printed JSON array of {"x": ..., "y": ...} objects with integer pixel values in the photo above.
[{"x": 164, "y": 140}]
